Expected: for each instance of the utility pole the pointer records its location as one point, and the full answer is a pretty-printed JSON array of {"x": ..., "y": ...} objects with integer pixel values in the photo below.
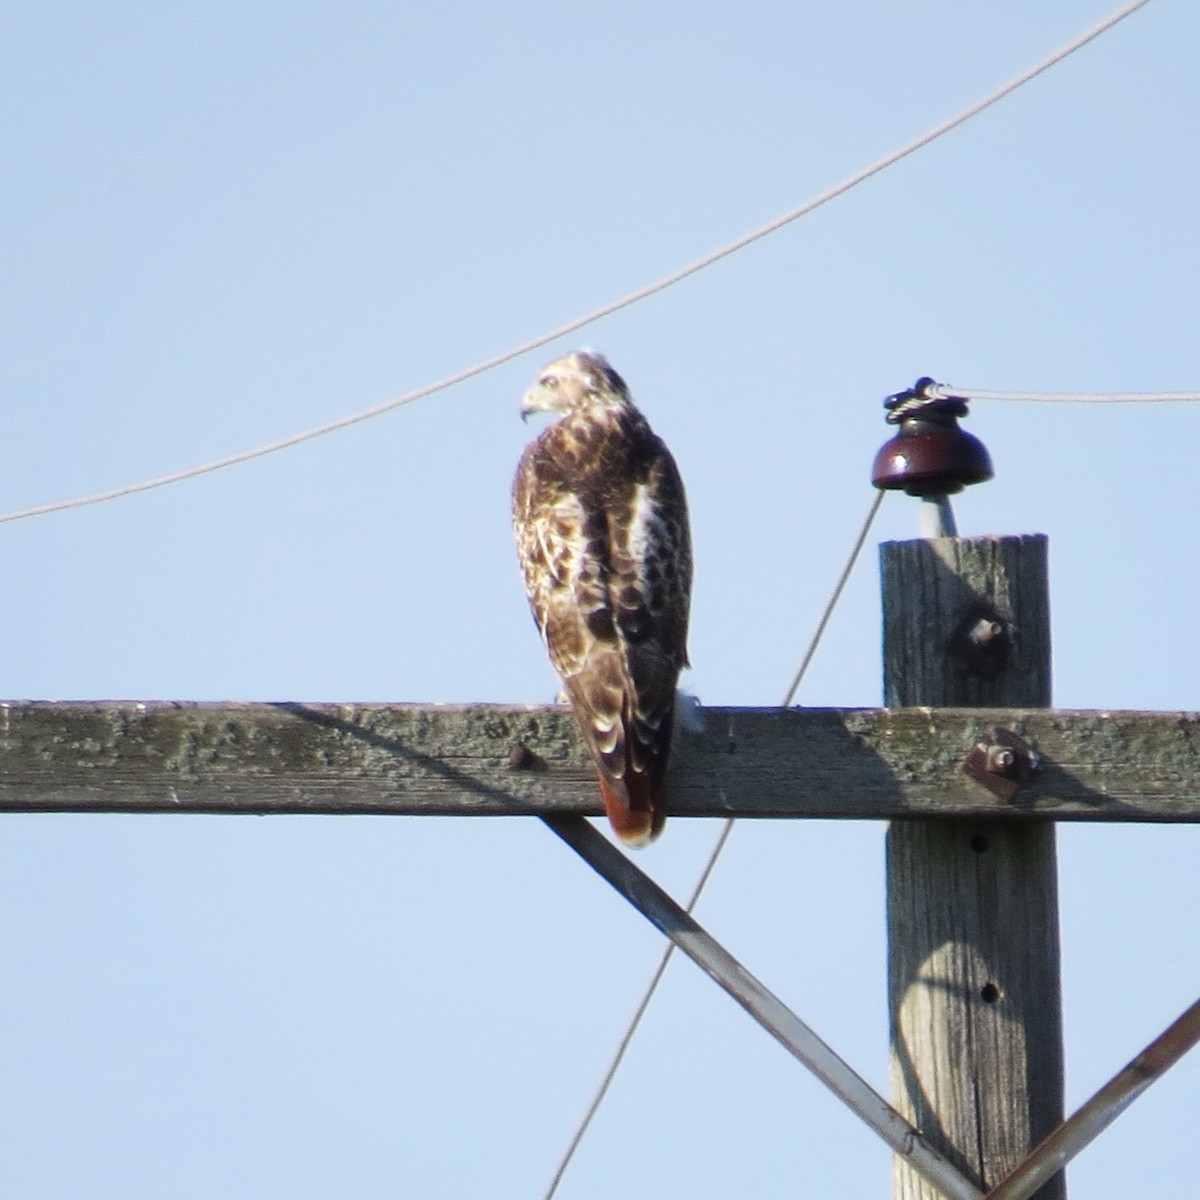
[{"x": 972, "y": 909}]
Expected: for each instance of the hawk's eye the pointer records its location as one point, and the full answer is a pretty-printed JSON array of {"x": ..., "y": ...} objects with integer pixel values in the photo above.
[{"x": 549, "y": 381}]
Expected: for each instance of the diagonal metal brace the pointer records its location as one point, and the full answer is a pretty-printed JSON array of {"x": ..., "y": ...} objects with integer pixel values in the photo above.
[
  {"x": 765, "y": 1007},
  {"x": 1098, "y": 1113}
]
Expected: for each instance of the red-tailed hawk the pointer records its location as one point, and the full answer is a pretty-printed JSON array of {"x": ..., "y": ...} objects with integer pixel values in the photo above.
[{"x": 602, "y": 533}]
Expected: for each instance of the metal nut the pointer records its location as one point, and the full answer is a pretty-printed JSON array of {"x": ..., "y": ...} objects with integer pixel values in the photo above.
[{"x": 1004, "y": 763}]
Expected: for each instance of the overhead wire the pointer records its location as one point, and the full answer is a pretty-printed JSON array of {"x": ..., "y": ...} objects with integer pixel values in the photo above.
[
  {"x": 834, "y": 597},
  {"x": 630, "y": 298},
  {"x": 946, "y": 391}
]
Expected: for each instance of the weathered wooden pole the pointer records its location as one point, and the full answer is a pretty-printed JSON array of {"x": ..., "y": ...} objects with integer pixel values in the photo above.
[{"x": 973, "y": 956}]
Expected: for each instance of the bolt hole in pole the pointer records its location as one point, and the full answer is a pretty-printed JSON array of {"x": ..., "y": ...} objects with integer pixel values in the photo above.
[{"x": 980, "y": 843}]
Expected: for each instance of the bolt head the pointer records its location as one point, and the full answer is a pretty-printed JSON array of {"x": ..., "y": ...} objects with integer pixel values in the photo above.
[{"x": 1000, "y": 759}]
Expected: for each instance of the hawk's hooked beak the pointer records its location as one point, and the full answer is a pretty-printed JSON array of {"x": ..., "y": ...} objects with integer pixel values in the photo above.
[{"x": 534, "y": 401}]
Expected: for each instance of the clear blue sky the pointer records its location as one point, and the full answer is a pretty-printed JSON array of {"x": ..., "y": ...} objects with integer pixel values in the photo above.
[{"x": 223, "y": 223}]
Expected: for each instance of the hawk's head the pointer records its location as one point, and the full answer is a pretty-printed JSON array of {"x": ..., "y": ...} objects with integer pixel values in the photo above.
[{"x": 569, "y": 384}]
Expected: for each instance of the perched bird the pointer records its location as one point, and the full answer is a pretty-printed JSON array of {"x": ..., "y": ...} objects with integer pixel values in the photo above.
[{"x": 601, "y": 525}]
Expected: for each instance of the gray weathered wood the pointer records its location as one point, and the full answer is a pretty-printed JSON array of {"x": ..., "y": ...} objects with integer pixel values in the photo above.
[
  {"x": 328, "y": 758},
  {"x": 973, "y": 958}
]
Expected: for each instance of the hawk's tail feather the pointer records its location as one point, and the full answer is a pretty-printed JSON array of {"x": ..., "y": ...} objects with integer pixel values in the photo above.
[{"x": 637, "y": 813}]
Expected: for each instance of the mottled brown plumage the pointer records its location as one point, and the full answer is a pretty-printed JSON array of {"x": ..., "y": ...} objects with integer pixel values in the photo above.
[{"x": 601, "y": 525}]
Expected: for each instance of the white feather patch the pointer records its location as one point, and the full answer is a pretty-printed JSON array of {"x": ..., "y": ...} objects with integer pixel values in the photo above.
[
  {"x": 643, "y": 525},
  {"x": 689, "y": 714}
]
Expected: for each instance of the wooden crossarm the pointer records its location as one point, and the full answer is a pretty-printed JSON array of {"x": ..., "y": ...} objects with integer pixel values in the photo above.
[{"x": 486, "y": 759}]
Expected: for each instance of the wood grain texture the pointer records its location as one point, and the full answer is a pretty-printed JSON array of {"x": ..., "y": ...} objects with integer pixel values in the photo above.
[
  {"x": 459, "y": 760},
  {"x": 973, "y": 956}
]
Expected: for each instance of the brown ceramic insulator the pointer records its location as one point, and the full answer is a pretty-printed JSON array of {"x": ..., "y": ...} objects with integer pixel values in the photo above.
[{"x": 930, "y": 455}]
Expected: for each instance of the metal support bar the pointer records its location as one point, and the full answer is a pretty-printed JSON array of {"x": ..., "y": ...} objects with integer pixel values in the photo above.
[
  {"x": 766, "y": 1008},
  {"x": 936, "y": 518},
  {"x": 1098, "y": 1113}
]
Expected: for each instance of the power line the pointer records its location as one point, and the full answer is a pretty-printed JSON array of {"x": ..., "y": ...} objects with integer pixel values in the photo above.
[
  {"x": 604, "y": 310},
  {"x": 945, "y": 391},
  {"x": 643, "y": 1004},
  {"x": 834, "y": 597}
]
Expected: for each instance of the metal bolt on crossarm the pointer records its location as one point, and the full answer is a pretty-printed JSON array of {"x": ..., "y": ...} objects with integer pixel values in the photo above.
[{"x": 930, "y": 456}]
